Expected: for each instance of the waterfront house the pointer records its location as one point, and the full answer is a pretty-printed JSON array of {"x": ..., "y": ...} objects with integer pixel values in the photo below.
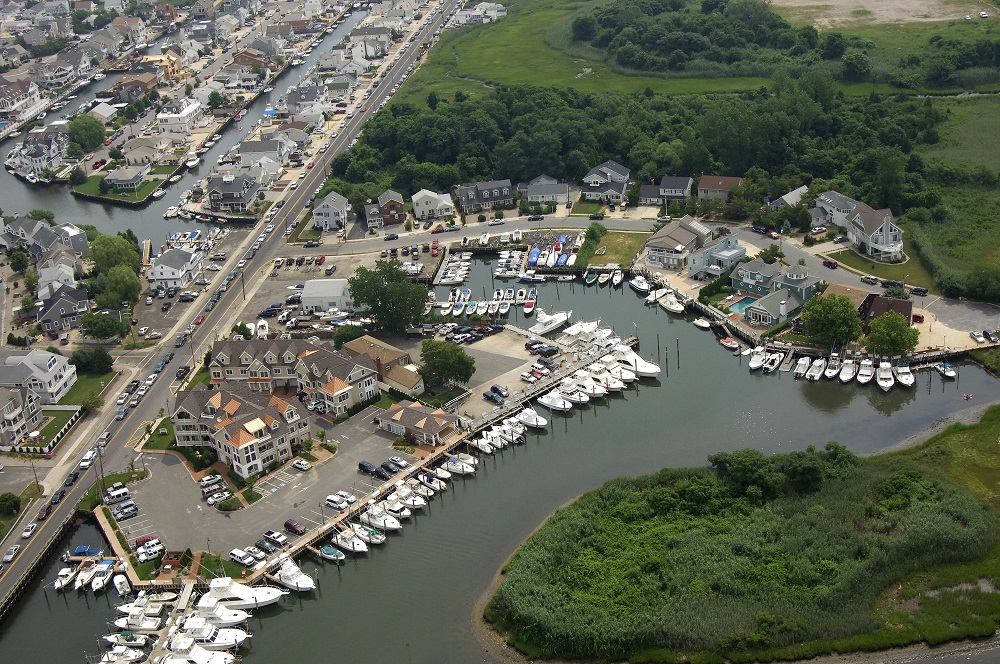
[
  {"x": 61, "y": 309},
  {"x": 21, "y": 416},
  {"x": 430, "y": 205},
  {"x": 249, "y": 430},
  {"x": 60, "y": 274},
  {"x": 418, "y": 424},
  {"x": 262, "y": 365},
  {"x": 876, "y": 304},
  {"x": 482, "y": 196},
  {"x": 127, "y": 178},
  {"x": 180, "y": 116},
  {"x": 42, "y": 148},
  {"x": 174, "y": 268},
  {"x": 48, "y": 375},
  {"x": 231, "y": 193},
  {"x": 670, "y": 247},
  {"x": 331, "y": 212},
  {"x": 607, "y": 182},
  {"x": 715, "y": 257},
  {"x": 103, "y": 112},
  {"x": 872, "y": 232},
  {"x": 16, "y": 97},
  {"x": 783, "y": 293},
  {"x": 278, "y": 149},
  {"x": 394, "y": 368},
  {"x": 340, "y": 382},
  {"x": 717, "y": 186}
]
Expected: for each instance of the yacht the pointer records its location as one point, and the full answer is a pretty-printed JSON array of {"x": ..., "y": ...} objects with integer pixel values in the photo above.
[
  {"x": 219, "y": 614},
  {"x": 211, "y": 637},
  {"x": 349, "y": 542},
  {"x": 584, "y": 380},
  {"x": 848, "y": 370},
  {"x": 656, "y": 294},
  {"x": 903, "y": 374},
  {"x": 87, "y": 570},
  {"x": 832, "y": 367},
  {"x": 417, "y": 487},
  {"x": 239, "y": 596},
  {"x": 757, "y": 357},
  {"x": 431, "y": 481},
  {"x": 290, "y": 576},
  {"x": 816, "y": 370},
  {"x": 376, "y": 517},
  {"x": 571, "y": 392},
  {"x": 670, "y": 303},
  {"x": 64, "y": 577},
  {"x": 119, "y": 654},
  {"x": 553, "y": 401},
  {"x": 193, "y": 162},
  {"x": 866, "y": 371},
  {"x": 368, "y": 534},
  {"x": 184, "y": 650},
  {"x": 801, "y": 367},
  {"x": 138, "y": 621},
  {"x": 630, "y": 359},
  {"x": 549, "y": 322},
  {"x": 458, "y": 467},
  {"x": 639, "y": 284},
  {"x": 529, "y": 417},
  {"x": 127, "y": 639},
  {"x": 605, "y": 379},
  {"x": 395, "y": 508},
  {"x": 159, "y": 193},
  {"x": 772, "y": 362},
  {"x": 616, "y": 370},
  {"x": 946, "y": 370},
  {"x": 883, "y": 376},
  {"x": 405, "y": 495}
]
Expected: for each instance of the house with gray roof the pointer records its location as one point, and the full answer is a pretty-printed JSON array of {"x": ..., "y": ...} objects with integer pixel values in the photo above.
[
  {"x": 46, "y": 374},
  {"x": 336, "y": 380},
  {"x": 606, "y": 182},
  {"x": 277, "y": 148},
  {"x": 544, "y": 189},
  {"x": 21, "y": 416},
  {"x": 62, "y": 307},
  {"x": 417, "y": 423},
  {"x": 430, "y": 205},
  {"x": 715, "y": 257},
  {"x": 174, "y": 268},
  {"x": 332, "y": 212},
  {"x": 783, "y": 293},
  {"x": 671, "y": 247},
  {"x": 480, "y": 196},
  {"x": 872, "y": 232},
  {"x": 262, "y": 365},
  {"x": 792, "y": 198},
  {"x": 127, "y": 177},
  {"x": 57, "y": 274},
  {"x": 231, "y": 193}
]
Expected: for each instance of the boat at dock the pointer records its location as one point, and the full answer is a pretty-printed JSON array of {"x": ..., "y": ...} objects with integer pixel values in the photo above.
[
  {"x": 883, "y": 376},
  {"x": 368, "y": 534},
  {"x": 64, "y": 578},
  {"x": 171, "y": 212},
  {"x": 159, "y": 193},
  {"x": 407, "y": 496},
  {"x": 866, "y": 371},
  {"x": 138, "y": 621},
  {"x": 376, "y": 517},
  {"x": 432, "y": 481},
  {"x": 616, "y": 278},
  {"x": 628, "y": 358},
  {"x": 848, "y": 370},
  {"x": 348, "y": 541},
  {"x": 702, "y": 323},
  {"x": 119, "y": 654},
  {"x": 590, "y": 278},
  {"x": 670, "y": 303},
  {"x": 801, "y": 367},
  {"x": 903, "y": 374},
  {"x": 174, "y": 179},
  {"x": 730, "y": 343},
  {"x": 655, "y": 294},
  {"x": 458, "y": 467},
  {"x": 184, "y": 650},
  {"x": 127, "y": 639},
  {"x": 757, "y": 358},
  {"x": 570, "y": 391},
  {"x": 946, "y": 370},
  {"x": 219, "y": 614},
  {"x": 832, "y": 367},
  {"x": 420, "y": 489},
  {"x": 121, "y": 584},
  {"x": 639, "y": 284},
  {"x": 529, "y": 417},
  {"x": 290, "y": 576},
  {"x": 240, "y": 596},
  {"x": 773, "y": 362},
  {"x": 331, "y": 553},
  {"x": 193, "y": 162},
  {"x": 212, "y": 637},
  {"x": 395, "y": 508},
  {"x": 85, "y": 574},
  {"x": 816, "y": 369},
  {"x": 553, "y": 401},
  {"x": 546, "y": 323}
]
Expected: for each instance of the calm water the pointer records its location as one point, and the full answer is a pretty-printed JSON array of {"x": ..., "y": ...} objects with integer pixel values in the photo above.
[{"x": 413, "y": 600}]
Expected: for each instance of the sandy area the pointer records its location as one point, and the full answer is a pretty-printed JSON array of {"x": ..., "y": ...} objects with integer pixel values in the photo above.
[{"x": 833, "y": 13}]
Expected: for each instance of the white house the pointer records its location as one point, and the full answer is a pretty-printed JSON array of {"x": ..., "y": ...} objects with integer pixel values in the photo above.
[
  {"x": 607, "y": 182},
  {"x": 57, "y": 274},
  {"x": 429, "y": 205},
  {"x": 48, "y": 375},
  {"x": 16, "y": 97},
  {"x": 174, "y": 267},
  {"x": 873, "y": 232},
  {"x": 332, "y": 212},
  {"x": 325, "y": 294},
  {"x": 182, "y": 116}
]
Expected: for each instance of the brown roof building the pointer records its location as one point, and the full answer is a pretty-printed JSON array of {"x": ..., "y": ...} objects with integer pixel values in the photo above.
[
  {"x": 418, "y": 423},
  {"x": 875, "y": 305},
  {"x": 717, "y": 186}
]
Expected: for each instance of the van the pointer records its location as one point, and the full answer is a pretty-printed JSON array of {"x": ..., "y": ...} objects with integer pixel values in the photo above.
[
  {"x": 209, "y": 480},
  {"x": 117, "y": 496},
  {"x": 242, "y": 557},
  {"x": 88, "y": 459},
  {"x": 207, "y": 491},
  {"x": 103, "y": 440}
]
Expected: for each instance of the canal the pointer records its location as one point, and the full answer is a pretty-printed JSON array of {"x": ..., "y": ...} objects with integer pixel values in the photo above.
[
  {"x": 148, "y": 222},
  {"x": 413, "y": 599}
]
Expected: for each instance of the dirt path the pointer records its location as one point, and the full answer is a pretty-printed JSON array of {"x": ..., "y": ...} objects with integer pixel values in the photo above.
[{"x": 839, "y": 13}]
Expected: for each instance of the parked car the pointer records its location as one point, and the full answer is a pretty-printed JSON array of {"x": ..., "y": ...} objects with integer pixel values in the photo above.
[
  {"x": 336, "y": 503},
  {"x": 991, "y": 335},
  {"x": 294, "y": 527},
  {"x": 918, "y": 290},
  {"x": 869, "y": 279},
  {"x": 390, "y": 467},
  {"x": 597, "y": 216},
  {"x": 301, "y": 464},
  {"x": 276, "y": 538},
  {"x": 493, "y": 397},
  {"x": 391, "y": 236},
  {"x": 349, "y": 497},
  {"x": 44, "y": 513},
  {"x": 830, "y": 263},
  {"x": 977, "y": 336},
  {"x": 371, "y": 469},
  {"x": 266, "y": 546},
  {"x": 499, "y": 389}
]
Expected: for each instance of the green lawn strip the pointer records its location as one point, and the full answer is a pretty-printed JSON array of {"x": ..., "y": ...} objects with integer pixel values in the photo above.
[
  {"x": 201, "y": 377},
  {"x": 588, "y": 207},
  {"x": 621, "y": 247},
  {"x": 139, "y": 345},
  {"x": 440, "y": 399},
  {"x": 386, "y": 401},
  {"x": 158, "y": 441},
  {"x": 219, "y": 566},
  {"x": 162, "y": 169},
  {"x": 92, "y": 187},
  {"x": 85, "y": 384},
  {"x": 305, "y": 230},
  {"x": 27, "y": 495},
  {"x": 913, "y": 270},
  {"x": 251, "y": 496},
  {"x": 58, "y": 420}
]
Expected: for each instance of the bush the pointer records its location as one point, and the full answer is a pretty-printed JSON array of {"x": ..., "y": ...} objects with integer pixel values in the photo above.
[
  {"x": 482, "y": 217},
  {"x": 230, "y": 505},
  {"x": 238, "y": 481}
]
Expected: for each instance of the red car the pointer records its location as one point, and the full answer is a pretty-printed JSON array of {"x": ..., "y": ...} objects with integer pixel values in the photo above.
[
  {"x": 200, "y": 319},
  {"x": 310, "y": 164},
  {"x": 320, "y": 260},
  {"x": 434, "y": 244},
  {"x": 437, "y": 229},
  {"x": 44, "y": 512},
  {"x": 773, "y": 235},
  {"x": 109, "y": 141},
  {"x": 830, "y": 263}
]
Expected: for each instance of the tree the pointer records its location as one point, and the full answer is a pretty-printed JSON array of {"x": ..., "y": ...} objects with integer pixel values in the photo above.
[
  {"x": 77, "y": 176},
  {"x": 188, "y": 89},
  {"x": 91, "y": 402},
  {"x": 244, "y": 330},
  {"x": 896, "y": 292},
  {"x": 108, "y": 251},
  {"x": 19, "y": 261},
  {"x": 584, "y": 28},
  {"x": 129, "y": 113},
  {"x": 74, "y": 151},
  {"x": 30, "y": 280},
  {"x": 856, "y": 65},
  {"x": 9, "y": 503},
  {"x": 445, "y": 362},
  {"x": 432, "y": 100},
  {"x": 891, "y": 334},
  {"x": 216, "y": 99},
  {"x": 771, "y": 254},
  {"x": 387, "y": 295},
  {"x": 87, "y": 131},
  {"x": 347, "y": 333},
  {"x": 102, "y": 326},
  {"x": 92, "y": 360},
  {"x": 831, "y": 320},
  {"x": 103, "y": 185},
  {"x": 42, "y": 215},
  {"x": 116, "y": 154},
  {"x": 124, "y": 283}
]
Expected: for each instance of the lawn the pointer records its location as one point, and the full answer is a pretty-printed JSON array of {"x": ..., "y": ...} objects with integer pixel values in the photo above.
[
  {"x": 93, "y": 187},
  {"x": 219, "y": 566},
  {"x": 91, "y": 498},
  {"x": 386, "y": 401},
  {"x": 202, "y": 376},
  {"x": 85, "y": 384},
  {"x": 441, "y": 398},
  {"x": 583, "y": 207},
  {"x": 971, "y": 134},
  {"x": 305, "y": 230},
  {"x": 622, "y": 247},
  {"x": 158, "y": 441},
  {"x": 59, "y": 418},
  {"x": 162, "y": 169},
  {"x": 912, "y": 271}
]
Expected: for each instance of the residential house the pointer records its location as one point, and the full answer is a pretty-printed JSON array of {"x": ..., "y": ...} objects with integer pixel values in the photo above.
[
  {"x": 203, "y": 10},
  {"x": 715, "y": 257},
  {"x": 791, "y": 199},
  {"x": 484, "y": 12},
  {"x": 485, "y": 196},
  {"x": 252, "y": 57},
  {"x": 269, "y": 45},
  {"x": 21, "y": 416},
  {"x": 670, "y": 247},
  {"x": 430, "y": 205},
  {"x": 332, "y": 212},
  {"x": 330, "y": 60},
  {"x": 186, "y": 53},
  {"x": 370, "y": 43},
  {"x": 305, "y": 96},
  {"x": 174, "y": 268},
  {"x": 133, "y": 86},
  {"x": 17, "y": 97},
  {"x": 231, "y": 193},
  {"x": 62, "y": 307},
  {"x": 262, "y": 365},
  {"x": 783, "y": 293},
  {"x": 57, "y": 274},
  {"x": 249, "y": 430},
  {"x": 670, "y": 188},
  {"x": 394, "y": 367},
  {"x": 132, "y": 27},
  {"x": 74, "y": 237},
  {"x": 337, "y": 381},
  {"x": 127, "y": 178},
  {"x": 391, "y": 207},
  {"x": 418, "y": 424},
  {"x": 544, "y": 189},
  {"x": 321, "y": 295},
  {"x": 48, "y": 375},
  {"x": 60, "y": 254},
  {"x": 356, "y": 66},
  {"x": 104, "y": 112},
  {"x": 873, "y": 232},
  {"x": 226, "y": 25},
  {"x": 340, "y": 86},
  {"x": 717, "y": 186},
  {"x": 607, "y": 182},
  {"x": 12, "y": 55},
  {"x": 166, "y": 12},
  {"x": 108, "y": 39},
  {"x": 168, "y": 63},
  {"x": 181, "y": 116},
  {"x": 277, "y": 149},
  {"x": 43, "y": 147},
  {"x": 876, "y": 304}
]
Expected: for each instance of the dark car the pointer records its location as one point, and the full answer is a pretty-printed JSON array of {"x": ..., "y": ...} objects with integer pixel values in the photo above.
[
  {"x": 991, "y": 335},
  {"x": 493, "y": 397},
  {"x": 44, "y": 512},
  {"x": 500, "y": 390},
  {"x": 295, "y": 527},
  {"x": 390, "y": 467},
  {"x": 311, "y": 244},
  {"x": 536, "y": 217},
  {"x": 918, "y": 290},
  {"x": 166, "y": 306},
  {"x": 428, "y": 224},
  {"x": 830, "y": 263},
  {"x": 368, "y": 467},
  {"x": 597, "y": 216},
  {"x": 534, "y": 343},
  {"x": 57, "y": 497},
  {"x": 547, "y": 363},
  {"x": 183, "y": 371},
  {"x": 759, "y": 229},
  {"x": 72, "y": 478},
  {"x": 265, "y": 546},
  {"x": 280, "y": 204},
  {"x": 889, "y": 283},
  {"x": 132, "y": 387},
  {"x": 548, "y": 351},
  {"x": 300, "y": 260},
  {"x": 391, "y": 236}
]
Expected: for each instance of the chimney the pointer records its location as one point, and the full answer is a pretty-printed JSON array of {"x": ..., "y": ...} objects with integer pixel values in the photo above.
[{"x": 782, "y": 309}]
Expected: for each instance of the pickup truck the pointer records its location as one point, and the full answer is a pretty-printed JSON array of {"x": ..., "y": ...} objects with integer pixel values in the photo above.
[{"x": 275, "y": 537}]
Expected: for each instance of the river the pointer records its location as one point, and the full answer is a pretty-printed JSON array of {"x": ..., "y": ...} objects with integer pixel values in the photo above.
[
  {"x": 413, "y": 599},
  {"x": 148, "y": 222}
]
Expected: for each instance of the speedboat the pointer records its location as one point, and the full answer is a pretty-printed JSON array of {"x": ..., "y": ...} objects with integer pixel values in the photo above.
[
  {"x": 584, "y": 380},
  {"x": 503, "y": 308},
  {"x": 332, "y": 553},
  {"x": 639, "y": 284},
  {"x": 640, "y": 367},
  {"x": 883, "y": 376},
  {"x": 590, "y": 278},
  {"x": 816, "y": 369},
  {"x": 866, "y": 371},
  {"x": 521, "y": 296},
  {"x": 702, "y": 323},
  {"x": 730, "y": 343},
  {"x": 184, "y": 650},
  {"x": 946, "y": 370},
  {"x": 290, "y": 576},
  {"x": 832, "y": 367},
  {"x": 903, "y": 374},
  {"x": 376, "y": 517},
  {"x": 99, "y": 76},
  {"x": 848, "y": 370},
  {"x": 772, "y": 362},
  {"x": 530, "y": 418},
  {"x": 349, "y": 541},
  {"x": 482, "y": 307},
  {"x": 553, "y": 401},
  {"x": 405, "y": 495},
  {"x": 670, "y": 303},
  {"x": 138, "y": 621},
  {"x": 86, "y": 573},
  {"x": 121, "y": 584},
  {"x": 468, "y": 458},
  {"x": 395, "y": 508},
  {"x": 193, "y": 162},
  {"x": 64, "y": 577},
  {"x": 240, "y": 596},
  {"x": 171, "y": 211},
  {"x": 529, "y": 306},
  {"x": 441, "y": 473},
  {"x": 119, "y": 654},
  {"x": 431, "y": 481},
  {"x": 218, "y": 613},
  {"x": 548, "y": 322},
  {"x": 368, "y": 534},
  {"x": 446, "y": 309},
  {"x": 801, "y": 367},
  {"x": 616, "y": 278},
  {"x": 212, "y": 637},
  {"x": 571, "y": 392},
  {"x": 459, "y": 467},
  {"x": 127, "y": 639},
  {"x": 173, "y": 179},
  {"x": 159, "y": 193},
  {"x": 418, "y": 488},
  {"x": 656, "y": 294},
  {"x": 757, "y": 358}
]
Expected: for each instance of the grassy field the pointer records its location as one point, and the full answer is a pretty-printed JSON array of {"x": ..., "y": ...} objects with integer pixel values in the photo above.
[
  {"x": 219, "y": 566},
  {"x": 201, "y": 377},
  {"x": 913, "y": 271},
  {"x": 85, "y": 384},
  {"x": 621, "y": 248},
  {"x": 971, "y": 134},
  {"x": 93, "y": 187},
  {"x": 158, "y": 441},
  {"x": 58, "y": 420},
  {"x": 582, "y": 208}
]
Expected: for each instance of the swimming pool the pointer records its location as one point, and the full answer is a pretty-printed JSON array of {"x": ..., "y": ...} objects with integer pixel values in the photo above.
[{"x": 740, "y": 305}]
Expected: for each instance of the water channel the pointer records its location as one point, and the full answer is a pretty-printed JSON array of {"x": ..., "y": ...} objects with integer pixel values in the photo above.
[{"x": 413, "y": 599}]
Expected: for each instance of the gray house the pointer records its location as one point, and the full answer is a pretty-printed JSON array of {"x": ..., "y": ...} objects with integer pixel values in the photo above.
[
  {"x": 485, "y": 195},
  {"x": 544, "y": 189},
  {"x": 607, "y": 182},
  {"x": 671, "y": 247},
  {"x": 716, "y": 257}
]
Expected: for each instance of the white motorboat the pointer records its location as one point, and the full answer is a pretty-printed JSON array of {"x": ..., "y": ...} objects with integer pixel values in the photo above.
[
  {"x": 127, "y": 639},
  {"x": 639, "y": 284},
  {"x": 441, "y": 473},
  {"x": 348, "y": 541},
  {"x": 616, "y": 278},
  {"x": 446, "y": 309},
  {"x": 103, "y": 572},
  {"x": 946, "y": 370},
  {"x": 456, "y": 466},
  {"x": 212, "y": 637},
  {"x": 405, "y": 495},
  {"x": 395, "y": 508},
  {"x": 119, "y": 654},
  {"x": 757, "y": 357},
  {"x": 174, "y": 179},
  {"x": 801, "y": 367},
  {"x": 702, "y": 323},
  {"x": 866, "y": 371},
  {"x": 159, "y": 193},
  {"x": 620, "y": 372},
  {"x": 420, "y": 489},
  {"x": 585, "y": 382},
  {"x": 490, "y": 442},
  {"x": 458, "y": 309},
  {"x": 171, "y": 212},
  {"x": 482, "y": 307},
  {"x": 99, "y": 76},
  {"x": 609, "y": 382},
  {"x": 87, "y": 570},
  {"x": 331, "y": 553},
  {"x": 503, "y": 308},
  {"x": 368, "y": 534},
  {"x": 832, "y": 367},
  {"x": 430, "y": 481},
  {"x": 64, "y": 577},
  {"x": 240, "y": 596},
  {"x": 883, "y": 376},
  {"x": 571, "y": 392},
  {"x": 670, "y": 303},
  {"x": 848, "y": 370},
  {"x": 816, "y": 369},
  {"x": 468, "y": 458},
  {"x": 629, "y": 358},
  {"x": 656, "y": 294},
  {"x": 193, "y": 162},
  {"x": 184, "y": 650},
  {"x": 290, "y": 576},
  {"x": 903, "y": 375},
  {"x": 219, "y": 614},
  {"x": 142, "y": 603},
  {"x": 772, "y": 362},
  {"x": 138, "y": 621},
  {"x": 553, "y": 401},
  {"x": 376, "y": 517},
  {"x": 121, "y": 584},
  {"x": 530, "y": 418},
  {"x": 549, "y": 322}
]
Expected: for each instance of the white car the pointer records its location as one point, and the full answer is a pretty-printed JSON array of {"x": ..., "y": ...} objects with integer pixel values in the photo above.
[
  {"x": 255, "y": 552},
  {"x": 528, "y": 378},
  {"x": 242, "y": 264},
  {"x": 301, "y": 464},
  {"x": 977, "y": 336},
  {"x": 218, "y": 497},
  {"x": 149, "y": 301},
  {"x": 154, "y": 335},
  {"x": 269, "y": 228},
  {"x": 336, "y": 503},
  {"x": 398, "y": 461},
  {"x": 261, "y": 237},
  {"x": 122, "y": 398},
  {"x": 142, "y": 331},
  {"x": 11, "y": 553},
  {"x": 214, "y": 267},
  {"x": 347, "y": 497},
  {"x": 150, "y": 379},
  {"x": 142, "y": 390},
  {"x": 29, "y": 530}
]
